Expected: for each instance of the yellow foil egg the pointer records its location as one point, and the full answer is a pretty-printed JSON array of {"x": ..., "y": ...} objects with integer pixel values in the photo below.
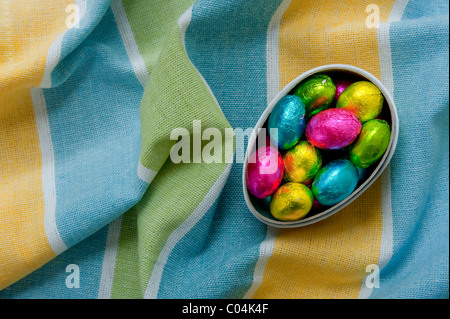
[
  {"x": 363, "y": 99},
  {"x": 291, "y": 201},
  {"x": 301, "y": 163}
]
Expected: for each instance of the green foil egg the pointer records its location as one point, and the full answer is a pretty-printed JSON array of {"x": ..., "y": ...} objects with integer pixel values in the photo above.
[
  {"x": 371, "y": 143},
  {"x": 317, "y": 93},
  {"x": 363, "y": 99}
]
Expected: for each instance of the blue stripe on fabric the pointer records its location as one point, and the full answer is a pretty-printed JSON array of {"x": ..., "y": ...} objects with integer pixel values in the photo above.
[
  {"x": 49, "y": 281},
  {"x": 227, "y": 44},
  {"x": 420, "y": 166},
  {"x": 74, "y": 37},
  {"x": 95, "y": 128}
]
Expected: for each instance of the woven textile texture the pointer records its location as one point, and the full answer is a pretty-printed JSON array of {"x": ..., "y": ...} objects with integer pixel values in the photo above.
[{"x": 93, "y": 206}]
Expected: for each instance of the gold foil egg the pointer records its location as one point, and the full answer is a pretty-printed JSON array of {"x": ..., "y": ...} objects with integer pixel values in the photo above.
[
  {"x": 301, "y": 163},
  {"x": 291, "y": 201},
  {"x": 363, "y": 99}
]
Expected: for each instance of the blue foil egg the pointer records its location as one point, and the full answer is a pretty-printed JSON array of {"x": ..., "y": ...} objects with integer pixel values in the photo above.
[
  {"x": 362, "y": 173},
  {"x": 288, "y": 117},
  {"x": 335, "y": 182}
]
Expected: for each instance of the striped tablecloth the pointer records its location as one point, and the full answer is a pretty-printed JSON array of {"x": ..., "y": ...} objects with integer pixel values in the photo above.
[{"x": 91, "y": 205}]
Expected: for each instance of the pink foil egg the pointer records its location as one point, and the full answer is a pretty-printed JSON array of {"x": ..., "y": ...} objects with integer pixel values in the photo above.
[
  {"x": 341, "y": 85},
  {"x": 264, "y": 172},
  {"x": 316, "y": 206},
  {"x": 333, "y": 129}
]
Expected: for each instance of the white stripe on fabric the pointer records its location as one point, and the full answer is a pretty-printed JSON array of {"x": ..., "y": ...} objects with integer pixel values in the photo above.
[
  {"x": 53, "y": 56},
  {"x": 384, "y": 44},
  {"x": 386, "y": 246},
  {"x": 273, "y": 87},
  {"x": 137, "y": 62},
  {"x": 183, "y": 23},
  {"x": 48, "y": 171},
  {"x": 145, "y": 173},
  {"x": 265, "y": 252},
  {"x": 151, "y": 292},
  {"x": 83, "y": 7},
  {"x": 109, "y": 259},
  {"x": 45, "y": 140},
  {"x": 387, "y": 78},
  {"x": 387, "y": 241},
  {"x": 273, "y": 70},
  {"x": 54, "y": 52}
]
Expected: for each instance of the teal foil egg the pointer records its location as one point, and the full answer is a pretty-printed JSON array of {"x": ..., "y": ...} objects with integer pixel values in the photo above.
[
  {"x": 362, "y": 173},
  {"x": 317, "y": 92},
  {"x": 288, "y": 117},
  {"x": 335, "y": 182}
]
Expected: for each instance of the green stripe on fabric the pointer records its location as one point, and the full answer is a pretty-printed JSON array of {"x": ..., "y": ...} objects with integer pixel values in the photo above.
[
  {"x": 152, "y": 22},
  {"x": 175, "y": 96},
  {"x": 126, "y": 281}
]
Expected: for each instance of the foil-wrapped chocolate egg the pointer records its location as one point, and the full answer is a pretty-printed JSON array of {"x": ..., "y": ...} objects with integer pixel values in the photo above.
[
  {"x": 332, "y": 129},
  {"x": 371, "y": 143},
  {"x": 363, "y": 99},
  {"x": 288, "y": 117},
  {"x": 341, "y": 85},
  {"x": 316, "y": 207},
  {"x": 301, "y": 163},
  {"x": 335, "y": 182},
  {"x": 265, "y": 202},
  {"x": 317, "y": 92},
  {"x": 291, "y": 201},
  {"x": 264, "y": 172},
  {"x": 362, "y": 173}
]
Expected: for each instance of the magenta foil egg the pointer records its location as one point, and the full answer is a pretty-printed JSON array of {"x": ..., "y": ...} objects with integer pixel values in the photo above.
[
  {"x": 341, "y": 85},
  {"x": 264, "y": 172},
  {"x": 333, "y": 129}
]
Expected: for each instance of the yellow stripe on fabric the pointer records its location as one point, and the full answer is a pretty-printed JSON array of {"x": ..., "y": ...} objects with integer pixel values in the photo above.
[
  {"x": 327, "y": 259},
  {"x": 314, "y": 33},
  {"x": 27, "y": 30}
]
